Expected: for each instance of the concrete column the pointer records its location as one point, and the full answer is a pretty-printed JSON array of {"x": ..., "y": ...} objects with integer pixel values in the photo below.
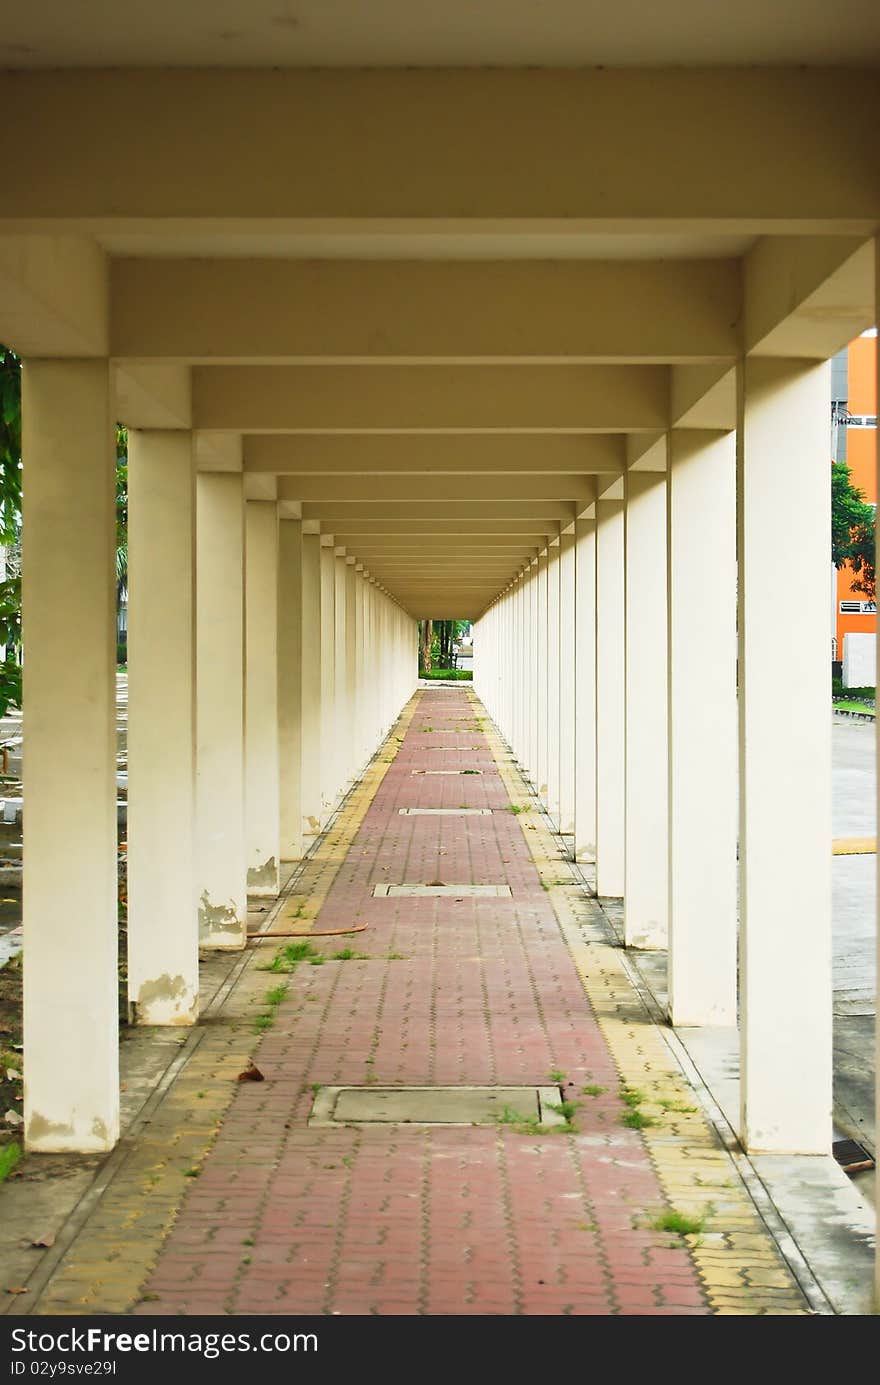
[
  {"x": 567, "y": 628},
  {"x": 542, "y": 747},
  {"x": 343, "y": 716},
  {"x": 71, "y": 1093},
  {"x": 646, "y": 878},
  {"x": 702, "y": 728},
  {"x": 553, "y": 684},
  {"x": 351, "y": 656},
  {"x": 329, "y": 782},
  {"x": 262, "y": 778},
  {"x": 313, "y": 655},
  {"x": 585, "y": 691},
  {"x": 532, "y": 674},
  {"x": 610, "y": 705},
  {"x": 785, "y": 759},
  {"x": 221, "y": 870},
  {"x": 361, "y": 726},
  {"x": 163, "y": 934},
  {"x": 290, "y": 686}
]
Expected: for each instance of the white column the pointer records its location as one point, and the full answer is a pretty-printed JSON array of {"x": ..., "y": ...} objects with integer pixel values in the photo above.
[
  {"x": 163, "y": 933},
  {"x": 702, "y": 728},
  {"x": 542, "y": 747},
  {"x": 262, "y": 782},
  {"x": 343, "y": 720},
  {"x": 567, "y": 695},
  {"x": 329, "y": 783},
  {"x": 553, "y": 689},
  {"x": 646, "y": 870},
  {"x": 532, "y": 674},
  {"x": 610, "y": 699},
  {"x": 585, "y": 691},
  {"x": 313, "y": 655},
  {"x": 221, "y": 871},
  {"x": 351, "y": 687},
  {"x": 71, "y": 1025},
  {"x": 362, "y": 704},
  {"x": 290, "y": 686},
  {"x": 785, "y": 757}
]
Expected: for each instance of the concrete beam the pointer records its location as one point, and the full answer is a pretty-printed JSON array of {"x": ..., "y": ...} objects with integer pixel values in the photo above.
[
  {"x": 376, "y": 490},
  {"x": 214, "y": 310},
  {"x": 532, "y": 511},
  {"x": 54, "y": 296},
  {"x": 469, "y": 529},
  {"x": 394, "y": 453},
  {"x": 374, "y": 147},
  {"x": 431, "y": 399},
  {"x": 805, "y": 298}
]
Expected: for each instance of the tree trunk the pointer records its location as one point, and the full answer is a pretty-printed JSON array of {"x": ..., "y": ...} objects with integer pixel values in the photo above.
[{"x": 427, "y": 635}]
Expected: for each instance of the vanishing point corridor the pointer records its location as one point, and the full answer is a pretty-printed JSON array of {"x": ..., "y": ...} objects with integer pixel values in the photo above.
[{"x": 448, "y": 989}]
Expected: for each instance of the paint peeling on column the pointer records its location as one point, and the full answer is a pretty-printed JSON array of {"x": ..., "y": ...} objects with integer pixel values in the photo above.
[
  {"x": 263, "y": 878},
  {"x": 219, "y": 925},
  {"x": 165, "y": 1000}
]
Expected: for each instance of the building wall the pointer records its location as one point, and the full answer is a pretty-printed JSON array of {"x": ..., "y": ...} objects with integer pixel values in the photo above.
[{"x": 860, "y": 456}]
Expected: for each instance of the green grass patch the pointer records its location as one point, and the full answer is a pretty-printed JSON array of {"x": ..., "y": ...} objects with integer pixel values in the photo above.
[
  {"x": 593, "y": 1089},
  {"x": 636, "y": 1120},
  {"x": 289, "y": 957},
  {"x": 452, "y": 675},
  {"x": 263, "y": 1022},
  {"x": 10, "y": 1156},
  {"x": 849, "y": 706},
  {"x": 679, "y": 1223},
  {"x": 517, "y": 808},
  {"x": 348, "y": 954},
  {"x": 276, "y": 995}
]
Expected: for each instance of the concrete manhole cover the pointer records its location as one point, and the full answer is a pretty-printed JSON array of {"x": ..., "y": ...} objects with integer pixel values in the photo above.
[
  {"x": 445, "y": 812},
  {"x": 434, "y": 1105},
  {"x": 460, "y": 891}
]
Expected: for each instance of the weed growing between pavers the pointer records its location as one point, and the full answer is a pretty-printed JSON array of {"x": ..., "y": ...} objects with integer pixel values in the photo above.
[
  {"x": 680, "y": 1223},
  {"x": 271, "y": 1000},
  {"x": 10, "y": 1154},
  {"x": 530, "y": 1125},
  {"x": 593, "y": 1089},
  {"x": 633, "y": 1118}
]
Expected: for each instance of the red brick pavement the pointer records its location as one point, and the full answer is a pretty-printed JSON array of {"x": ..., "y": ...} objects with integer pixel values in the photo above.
[{"x": 442, "y": 1220}]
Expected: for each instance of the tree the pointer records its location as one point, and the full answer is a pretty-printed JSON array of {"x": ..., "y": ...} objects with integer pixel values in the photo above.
[
  {"x": 10, "y": 521},
  {"x": 10, "y": 526},
  {"x": 852, "y": 531},
  {"x": 426, "y": 638}
]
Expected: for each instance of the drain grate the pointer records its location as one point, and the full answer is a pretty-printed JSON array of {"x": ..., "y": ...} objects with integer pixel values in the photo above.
[
  {"x": 851, "y": 1156},
  {"x": 446, "y": 771},
  {"x": 460, "y": 891},
  {"x": 445, "y": 812},
  {"x": 435, "y": 1105}
]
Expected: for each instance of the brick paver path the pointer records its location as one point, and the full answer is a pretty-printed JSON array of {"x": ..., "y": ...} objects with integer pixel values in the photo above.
[{"x": 454, "y": 990}]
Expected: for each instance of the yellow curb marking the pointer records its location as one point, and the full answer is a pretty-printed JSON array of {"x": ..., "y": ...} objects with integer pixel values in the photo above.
[{"x": 854, "y": 846}]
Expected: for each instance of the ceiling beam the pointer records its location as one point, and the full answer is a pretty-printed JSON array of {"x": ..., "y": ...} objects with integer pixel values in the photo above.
[
  {"x": 251, "y": 310},
  {"x": 390, "y": 148},
  {"x": 431, "y": 399},
  {"x": 341, "y": 511},
  {"x": 503, "y": 454},
  {"x": 377, "y": 490}
]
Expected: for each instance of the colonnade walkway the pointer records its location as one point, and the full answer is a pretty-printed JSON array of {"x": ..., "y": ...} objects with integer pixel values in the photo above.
[{"x": 256, "y": 1197}]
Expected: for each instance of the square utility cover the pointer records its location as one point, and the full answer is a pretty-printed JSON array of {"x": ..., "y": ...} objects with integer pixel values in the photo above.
[{"x": 433, "y": 1105}]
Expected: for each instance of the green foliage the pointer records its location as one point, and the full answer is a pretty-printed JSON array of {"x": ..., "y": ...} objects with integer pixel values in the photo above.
[
  {"x": 860, "y": 694},
  {"x": 852, "y": 531},
  {"x": 10, "y": 446},
  {"x": 10, "y": 1155},
  {"x": 680, "y": 1223},
  {"x": 451, "y": 675}
]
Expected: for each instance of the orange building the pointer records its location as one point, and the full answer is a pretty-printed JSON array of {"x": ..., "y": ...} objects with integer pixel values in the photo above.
[{"x": 854, "y": 439}]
